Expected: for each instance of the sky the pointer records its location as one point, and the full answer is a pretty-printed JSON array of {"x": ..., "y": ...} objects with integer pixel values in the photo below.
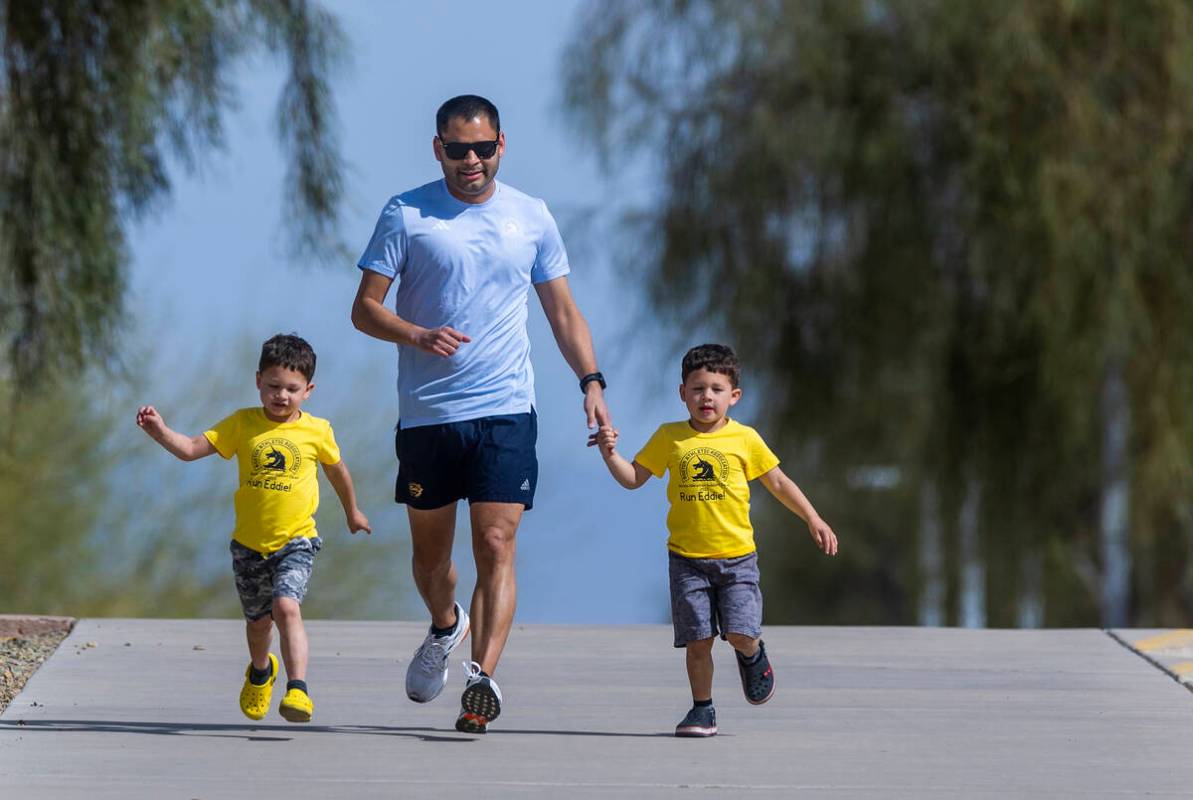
[{"x": 212, "y": 278}]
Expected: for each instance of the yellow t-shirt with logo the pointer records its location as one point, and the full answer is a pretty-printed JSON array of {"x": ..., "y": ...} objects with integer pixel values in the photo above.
[
  {"x": 279, "y": 485},
  {"x": 709, "y": 487}
]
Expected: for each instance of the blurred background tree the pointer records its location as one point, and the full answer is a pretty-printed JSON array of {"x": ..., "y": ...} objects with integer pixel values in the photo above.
[
  {"x": 95, "y": 97},
  {"x": 950, "y": 242},
  {"x": 99, "y": 99}
]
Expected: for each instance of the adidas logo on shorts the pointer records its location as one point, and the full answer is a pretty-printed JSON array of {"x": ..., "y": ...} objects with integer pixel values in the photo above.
[{"x": 526, "y": 485}]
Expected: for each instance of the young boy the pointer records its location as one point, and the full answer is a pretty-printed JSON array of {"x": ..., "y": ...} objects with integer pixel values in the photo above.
[
  {"x": 713, "y": 562},
  {"x": 274, "y": 542}
]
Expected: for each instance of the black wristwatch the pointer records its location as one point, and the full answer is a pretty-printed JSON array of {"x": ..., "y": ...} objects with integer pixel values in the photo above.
[{"x": 589, "y": 378}]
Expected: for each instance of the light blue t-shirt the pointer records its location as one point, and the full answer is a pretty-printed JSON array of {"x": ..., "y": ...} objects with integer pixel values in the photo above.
[{"x": 469, "y": 267}]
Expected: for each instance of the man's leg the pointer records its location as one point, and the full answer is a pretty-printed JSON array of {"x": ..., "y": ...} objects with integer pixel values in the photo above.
[
  {"x": 494, "y": 528},
  {"x": 431, "y": 535}
]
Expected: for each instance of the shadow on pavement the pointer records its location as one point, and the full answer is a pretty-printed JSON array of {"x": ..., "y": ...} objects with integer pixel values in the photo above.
[{"x": 262, "y": 733}]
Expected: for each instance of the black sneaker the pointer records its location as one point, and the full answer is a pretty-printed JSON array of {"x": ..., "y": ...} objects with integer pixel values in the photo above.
[
  {"x": 481, "y": 701},
  {"x": 700, "y": 721},
  {"x": 757, "y": 679}
]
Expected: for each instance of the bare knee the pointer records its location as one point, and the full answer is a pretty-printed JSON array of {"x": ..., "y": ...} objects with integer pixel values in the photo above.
[
  {"x": 286, "y": 611},
  {"x": 259, "y": 627},
  {"x": 431, "y": 565},
  {"x": 493, "y": 545}
]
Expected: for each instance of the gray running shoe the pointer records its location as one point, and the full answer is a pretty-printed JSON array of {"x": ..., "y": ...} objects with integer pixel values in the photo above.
[
  {"x": 480, "y": 703},
  {"x": 701, "y": 721},
  {"x": 427, "y": 674},
  {"x": 757, "y": 679}
]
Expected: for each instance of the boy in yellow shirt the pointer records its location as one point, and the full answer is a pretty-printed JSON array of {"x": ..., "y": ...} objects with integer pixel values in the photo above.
[
  {"x": 274, "y": 542},
  {"x": 713, "y": 562}
]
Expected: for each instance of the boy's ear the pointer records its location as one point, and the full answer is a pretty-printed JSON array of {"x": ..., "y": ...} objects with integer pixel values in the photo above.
[
  {"x": 310, "y": 388},
  {"x": 734, "y": 396},
  {"x": 258, "y": 379}
]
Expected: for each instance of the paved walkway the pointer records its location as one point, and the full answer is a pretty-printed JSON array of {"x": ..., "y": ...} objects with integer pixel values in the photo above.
[{"x": 147, "y": 709}]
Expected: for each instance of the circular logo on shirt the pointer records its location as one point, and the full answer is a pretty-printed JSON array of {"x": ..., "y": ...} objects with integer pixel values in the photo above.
[
  {"x": 702, "y": 466},
  {"x": 277, "y": 456}
]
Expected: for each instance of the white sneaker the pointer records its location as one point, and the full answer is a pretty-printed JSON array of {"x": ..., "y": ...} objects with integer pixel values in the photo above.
[
  {"x": 427, "y": 674},
  {"x": 481, "y": 701}
]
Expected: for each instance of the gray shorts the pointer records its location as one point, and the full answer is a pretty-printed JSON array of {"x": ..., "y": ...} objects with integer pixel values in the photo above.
[
  {"x": 285, "y": 573},
  {"x": 711, "y": 596}
]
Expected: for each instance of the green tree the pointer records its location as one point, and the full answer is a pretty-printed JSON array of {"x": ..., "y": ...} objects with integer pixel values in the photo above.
[
  {"x": 95, "y": 97},
  {"x": 950, "y": 240}
]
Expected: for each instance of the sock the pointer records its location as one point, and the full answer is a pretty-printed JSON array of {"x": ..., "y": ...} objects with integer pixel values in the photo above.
[
  {"x": 259, "y": 677},
  {"x": 446, "y": 631},
  {"x": 485, "y": 674},
  {"x": 296, "y": 685},
  {"x": 702, "y": 703}
]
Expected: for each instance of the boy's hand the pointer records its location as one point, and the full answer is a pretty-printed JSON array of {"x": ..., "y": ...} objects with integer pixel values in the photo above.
[
  {"x": 358, "y": 522},
  {"x": 606, "y": 439},
  {"x": 150, "y": 421},
  {"x": 823, "y": 535}
]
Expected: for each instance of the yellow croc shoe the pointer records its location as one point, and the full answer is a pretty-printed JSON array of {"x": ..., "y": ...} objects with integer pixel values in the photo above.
[
  {"x": 254, "y": 699},
  {"x": 296, "y": 706}
]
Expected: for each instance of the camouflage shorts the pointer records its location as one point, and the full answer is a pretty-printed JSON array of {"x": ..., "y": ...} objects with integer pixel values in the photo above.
[{"x": 285, "y": 573}]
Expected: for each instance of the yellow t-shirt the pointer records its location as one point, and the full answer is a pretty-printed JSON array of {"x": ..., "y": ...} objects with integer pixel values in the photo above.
[
  {"x": 279, "y": 487},
  {"x": 709, "y": 488}
]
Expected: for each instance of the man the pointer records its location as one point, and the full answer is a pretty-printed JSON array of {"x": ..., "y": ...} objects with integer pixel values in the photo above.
[{"x": 465, "y": 250}]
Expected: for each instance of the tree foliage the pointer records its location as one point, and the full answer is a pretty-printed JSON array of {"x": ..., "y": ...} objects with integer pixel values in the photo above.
[
  {"x": 935, "y": 231},
  {"x": 95, "y": 97}
]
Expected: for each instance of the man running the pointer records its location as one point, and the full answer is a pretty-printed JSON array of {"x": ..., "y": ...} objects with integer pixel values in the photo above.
[{"x": 465, "y": 250}]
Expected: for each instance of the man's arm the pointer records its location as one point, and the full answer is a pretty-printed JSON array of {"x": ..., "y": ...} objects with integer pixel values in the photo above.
[
  {"x": 369, "y": 315},
  {"x": 575, "y": 343}
]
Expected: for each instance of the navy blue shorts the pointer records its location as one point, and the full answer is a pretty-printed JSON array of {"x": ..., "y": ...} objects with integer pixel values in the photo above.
[{"x": 485, "y": 460}]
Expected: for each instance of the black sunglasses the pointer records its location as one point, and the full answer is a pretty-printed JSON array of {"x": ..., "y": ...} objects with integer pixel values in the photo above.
[{"x": 458, "y": 151}]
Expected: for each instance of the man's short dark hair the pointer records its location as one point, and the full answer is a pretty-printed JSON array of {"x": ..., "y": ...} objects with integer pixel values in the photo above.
[
  {"x": 466, "y": 106},
  {"x": 717, "y": 358},
  {"x": 290, "y": 351}
]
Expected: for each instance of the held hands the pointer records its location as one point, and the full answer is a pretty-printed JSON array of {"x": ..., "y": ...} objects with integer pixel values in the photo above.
[
  {"x": 151, "y": 422},
  {"x": 823, "y": 535},
  {"x": 606, "y": 439},
  {"x": 442, "y": 341},
  {"x": 357, "y": 521}
]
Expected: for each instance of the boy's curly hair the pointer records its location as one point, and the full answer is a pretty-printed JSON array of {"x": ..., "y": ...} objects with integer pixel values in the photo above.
[
  {"x": 717, "y": 358},
  {"x": 288, "y": 350}
]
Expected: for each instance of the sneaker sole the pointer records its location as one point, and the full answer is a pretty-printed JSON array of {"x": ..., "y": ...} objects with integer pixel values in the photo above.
[
  {"x": 481, "y": 701},
  {"x": 695, "y": 733},
  {"x": 471, "y": 723},
  {"x": 467, "y": 630}
]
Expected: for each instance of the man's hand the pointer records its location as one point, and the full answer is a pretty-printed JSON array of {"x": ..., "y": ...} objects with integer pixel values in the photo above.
[
  {"x": 357, "y": 521},
  {"x": 823, "y": 535},
  {"x": 595, "y": 408},
  {"x": 442, "y": 341}
]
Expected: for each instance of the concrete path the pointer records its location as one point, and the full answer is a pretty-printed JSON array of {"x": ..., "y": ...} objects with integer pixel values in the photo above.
[{"x": 147, "y": 709}]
